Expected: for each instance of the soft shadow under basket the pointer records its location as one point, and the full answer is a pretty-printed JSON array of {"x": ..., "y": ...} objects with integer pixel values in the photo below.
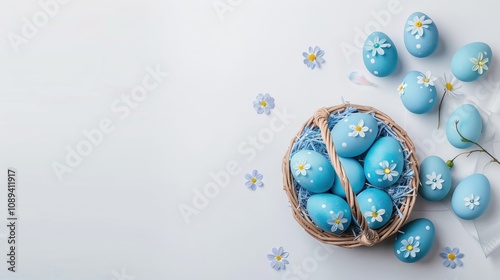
[{"x": 363, "y": 235}]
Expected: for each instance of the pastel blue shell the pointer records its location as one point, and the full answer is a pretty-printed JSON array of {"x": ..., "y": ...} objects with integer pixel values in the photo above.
[
  {"x": 462, "y": 66},
  {"x": 355, "y": 175},
  {"x": 379, "y": 199},
  {"x": 385, "y": 152},
  {"x": 470, "y": 125},
  {"x": 418, "y": 98},
  {"x": 321, "y": 207},
  {"x": 351, "y": 146},
  {"x": 421, "y": 46},
  {"x": 382, "y": 61},
  {"x": 319, "y": 177},
  {"x": 419, "y": 233},
  {"x": 429, "y": 190},
  {"x": 470, "y": 188}
]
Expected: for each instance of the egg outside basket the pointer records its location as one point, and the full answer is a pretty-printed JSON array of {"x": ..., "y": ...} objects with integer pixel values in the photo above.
[{"x": 361, "y": 234}]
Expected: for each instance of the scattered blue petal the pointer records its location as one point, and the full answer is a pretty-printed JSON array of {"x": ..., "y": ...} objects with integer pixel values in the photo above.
[
  {"x": 254, "y": 180},
  {"x": 263, "y": 103},
  {"x": 278, "y": 258},
  {"x": 359, "y": 79},
  {"x": 452, "y": 257},
  {"x": 314, "y": 58}
]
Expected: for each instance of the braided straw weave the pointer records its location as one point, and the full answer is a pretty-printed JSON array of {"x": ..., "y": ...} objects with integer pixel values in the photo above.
[{"x": 368, "y": 236}]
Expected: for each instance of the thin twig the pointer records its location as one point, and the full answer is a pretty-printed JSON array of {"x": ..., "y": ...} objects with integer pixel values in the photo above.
[
  {"x": 493, "y": 159},
  {"x": 439, "y": 108}
]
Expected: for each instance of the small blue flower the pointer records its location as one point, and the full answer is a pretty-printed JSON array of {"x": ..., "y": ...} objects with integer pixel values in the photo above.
[
  {"x": 278, "y": 258},
  {"x": 377, "y": 46},
  {"x": 452, "y": 257},
  {"x": 410, "y": 247},
  {"x": 263, "y": 103},
  {"x": 314, "y": 57},
  {"x": 254, "y": 180},
  {"x": 337, "y": 221}
]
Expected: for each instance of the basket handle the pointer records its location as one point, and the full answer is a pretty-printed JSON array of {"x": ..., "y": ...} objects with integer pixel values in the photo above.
[{"x": 369, "y": 236}]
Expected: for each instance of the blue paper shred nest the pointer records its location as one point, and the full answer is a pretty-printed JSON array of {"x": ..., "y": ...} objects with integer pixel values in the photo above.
[{"x": 311, "y": 139}]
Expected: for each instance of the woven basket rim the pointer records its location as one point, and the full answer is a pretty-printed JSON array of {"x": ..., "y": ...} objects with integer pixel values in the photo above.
[{"x": 368, "y": 237}]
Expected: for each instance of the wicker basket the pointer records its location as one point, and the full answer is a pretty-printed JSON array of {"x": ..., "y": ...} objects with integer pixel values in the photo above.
[{"x": 368, "y": 237}]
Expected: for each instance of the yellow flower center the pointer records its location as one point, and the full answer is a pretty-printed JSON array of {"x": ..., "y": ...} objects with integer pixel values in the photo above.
[
  {"x": 451, "y": 256},
  {"x": 480, "y": 63},
  {"x": 263, "y": 103},
  {"x": 409, "y": 247},
  {"x": 374, "y": 214},
  {"x": 337, "y": 221},
  {"x": 254, "y": 180},
  {"x": 312, "y": 57},
  {"x": 449, "y": 86},
  {"x": 400, "y": 88},
  {"x": 418, "y": 24},
  {"x": 301, "y": 167},
  {"x": 278, "y": 258},
  {"x": 387, "y": 170},
  {"x": 426, "y": 80},
  {"x": 358, "y": 128}
]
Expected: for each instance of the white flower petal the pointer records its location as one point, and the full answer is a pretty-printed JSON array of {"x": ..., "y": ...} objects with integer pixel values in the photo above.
[
  {"x": 420, "y": 31},
  {"x": 340, "y": 226}
]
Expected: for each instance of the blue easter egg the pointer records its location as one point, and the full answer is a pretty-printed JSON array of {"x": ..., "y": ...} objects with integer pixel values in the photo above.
[
  {"x": 312, "y": 170},
  {"x": 414, "y": 240},
  {"x": 384, "y": 162},
  {"x": 469, "y": 123},
  {"x": 354, "y": 134},
  {"x": 417, "y": 92},
  {"x": 376, "y": 206},
  {"x": 471, "y": 61},
  {"x": 435, "y": 179},
  {"x": 355, "y": 175},
  {"x": 379, "y": 54},
  {"x": 471, "y": 197},
  {"x": 421, "y": 35},
  {"x": 329, "y": 212}
]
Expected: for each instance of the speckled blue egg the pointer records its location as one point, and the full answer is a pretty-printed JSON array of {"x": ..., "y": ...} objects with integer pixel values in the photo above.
[
  {"x": 376, "y": 206},
  {"x": 384, "y": 162},
  {"x": 414, "y": 240},
  {"x": 471, "y": 61},
  {"x": 355, "y": 175},
  {"x": 312, "y": 170},
  {"x": 380, "y": 55},
  {"x": 471, "y": 197},
  {"x": 354, "y": 134},
  {"x": 421, "y": 35},
  {"x": 417, "y": 95},
  {"x": 435, "y": 178},
  {"x": 329, "y": 212},
  {"x": 470, "y": 125}
]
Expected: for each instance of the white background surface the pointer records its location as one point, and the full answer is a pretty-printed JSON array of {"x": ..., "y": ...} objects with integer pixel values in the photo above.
[{"x": 116, "y": 216}]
